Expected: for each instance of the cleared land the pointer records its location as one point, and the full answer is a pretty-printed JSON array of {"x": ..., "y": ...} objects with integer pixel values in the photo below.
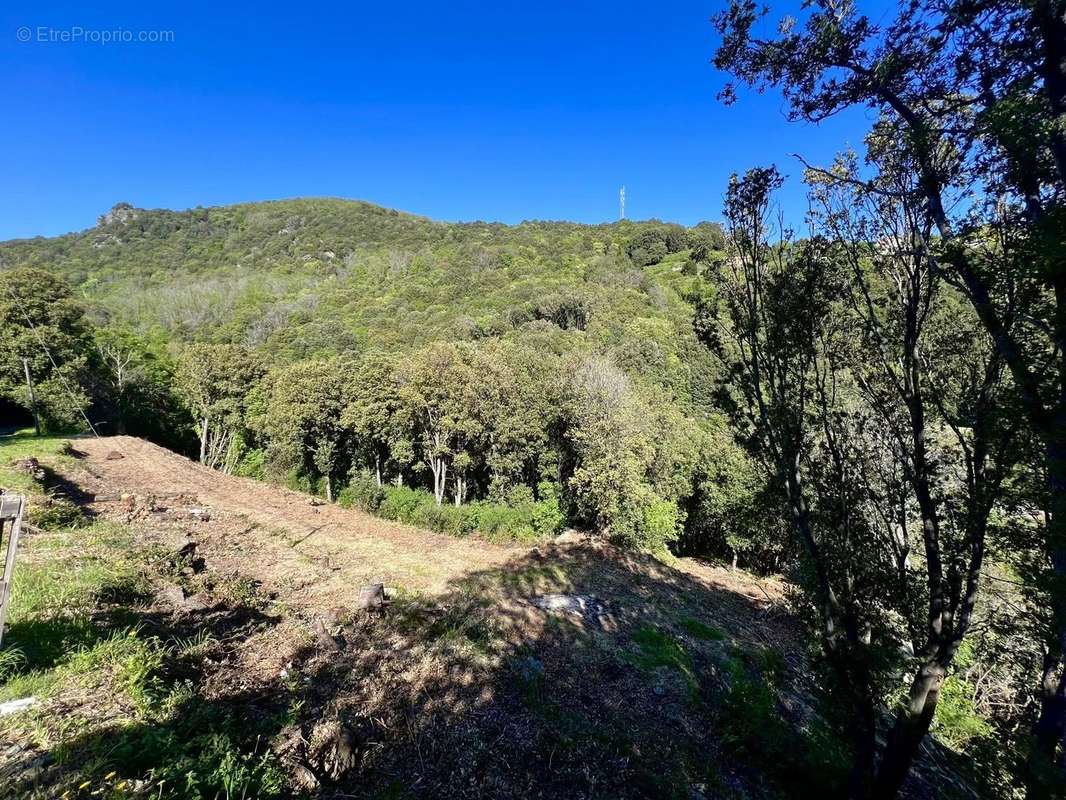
[{"x": 200, "y": 628}]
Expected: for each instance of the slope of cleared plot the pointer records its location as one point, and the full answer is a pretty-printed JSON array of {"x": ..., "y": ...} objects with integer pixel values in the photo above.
[{"x": 313, "y": 549}]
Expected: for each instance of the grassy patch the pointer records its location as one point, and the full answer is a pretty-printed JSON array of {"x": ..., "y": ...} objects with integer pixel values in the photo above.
[
  {"x": 658, "y": 649},
  {"x": 24, "y": 445},
  {"x": 754, "y": 730},
  {"x": 81, "y": 631},
  {"x": 701, "y": 630}
]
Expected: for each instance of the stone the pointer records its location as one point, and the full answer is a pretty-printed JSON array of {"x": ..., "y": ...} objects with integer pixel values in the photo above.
[
  {"x": 372, "y": 598},
  {"x": 15, "y": 706},
  {"x": 571, "y": 536},
  {"x": 587, "y": 607}
]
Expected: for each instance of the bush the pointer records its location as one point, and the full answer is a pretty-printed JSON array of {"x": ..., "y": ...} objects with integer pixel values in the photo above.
[
  {"x": 957, "y": 721},
  {"x": 363, "y": 492},
  {"x": 527, "y": 520},
  {"x": 661, "y": 523},
  {"x": 252, "y": 465},
  {"x": 401, "y": 503}
]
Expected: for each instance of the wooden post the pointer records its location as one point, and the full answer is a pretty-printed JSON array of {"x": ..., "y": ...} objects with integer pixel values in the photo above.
[
  {"x": 33, "y": 397},
  {"x": 11, "y": 508}
]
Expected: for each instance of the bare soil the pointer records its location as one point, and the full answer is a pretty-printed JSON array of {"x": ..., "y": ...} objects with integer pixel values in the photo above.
[{"x": 321, "y": 555}]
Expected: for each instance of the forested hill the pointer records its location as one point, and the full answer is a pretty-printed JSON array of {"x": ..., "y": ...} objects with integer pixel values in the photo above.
[
  {"x": 312, "y": 277},
  {"x": 582, "y": 333}
]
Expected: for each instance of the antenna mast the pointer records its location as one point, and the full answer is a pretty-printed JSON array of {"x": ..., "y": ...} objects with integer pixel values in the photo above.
[{"x": 622, "y": 203}]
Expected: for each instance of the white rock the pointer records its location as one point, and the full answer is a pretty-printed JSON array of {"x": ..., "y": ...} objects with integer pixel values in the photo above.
[{"x": 14, "y": 706}]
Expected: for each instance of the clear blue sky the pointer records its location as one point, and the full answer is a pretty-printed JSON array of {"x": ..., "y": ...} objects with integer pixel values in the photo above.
[{"x": 459, "y": 110}]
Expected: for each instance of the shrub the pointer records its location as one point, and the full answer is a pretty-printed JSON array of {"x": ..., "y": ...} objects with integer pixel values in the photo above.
[
  {"x": 525, "y": 521},
  {"x": 547, "y": 516},
  {"x": 400, "y": 503},
  {"x": 661, "y": 523},
  {"x": 957, "y": 721},
  {"x": 252, "y": 464},
  {"x": 363, "y": 492}
]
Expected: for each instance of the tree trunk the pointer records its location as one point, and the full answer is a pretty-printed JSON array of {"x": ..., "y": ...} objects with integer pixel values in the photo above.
[
  {"x": 912, "y": 723},
  {"x": 329, "y": 489},
  {"x": 1049, "y": 728},
  {"x": 203, "y": 440},
  {"x": 440, "y": 477},
  {"x": 377, "y": 468},
  {"x": 1051, "y": 725},
  {"x": 864, "y": 745}
]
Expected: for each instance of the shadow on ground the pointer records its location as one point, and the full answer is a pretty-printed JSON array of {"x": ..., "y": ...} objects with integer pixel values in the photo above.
[{"x": 571, "y": 672}]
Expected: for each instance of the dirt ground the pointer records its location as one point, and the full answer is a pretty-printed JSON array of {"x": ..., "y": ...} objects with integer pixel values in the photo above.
[{"x": 320, "y": 555}]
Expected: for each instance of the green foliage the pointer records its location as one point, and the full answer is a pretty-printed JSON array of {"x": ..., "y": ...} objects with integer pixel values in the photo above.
[
  {"x": 252, "y": 464},
  {"x": 529, "y": 521},
  {"x": 732, "y": 513},
  {"x": 214, "y": 382},
  {"x": 202, "y": 758},
  {"x": 459, "y": 345},
  {"x": 957, "y": 721},
  {"x": 756, "y": 732},
  {"x": 299, "y": 415},
  {"x": 12, "y": 661},
  {"x": 701, "y": 630},
  {"x": 652, "y": 245},
  {"x": 41, "y": 323},
  {"x": 134, "y": 387}
]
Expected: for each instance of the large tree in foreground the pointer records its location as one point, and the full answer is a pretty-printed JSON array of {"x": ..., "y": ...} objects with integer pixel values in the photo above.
[
  {"x": 936, "y": 387},
  {"x": 876, "y": 403},
  {"x": 976, "y": 94},
  {"x": 772, "y": 326}
]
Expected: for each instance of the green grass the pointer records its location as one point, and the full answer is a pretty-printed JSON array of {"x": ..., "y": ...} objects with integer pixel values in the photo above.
[
  {"x": 701, "y": 630},
  {"x": 132, "y": 704},
  {"x": 658, "y": 649},
  {"x": 23, "y": 445}
]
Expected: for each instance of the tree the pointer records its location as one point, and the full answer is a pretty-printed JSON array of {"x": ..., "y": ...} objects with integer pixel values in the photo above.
[
  {"x": 773, "y": 330},
  {"x": 975, "y": 93},
  {"x": 378, "y": 418},
  {"x": 135, "y": 387},
  {"x": 214, "y": 382},
  {"x": 440, "y": 389},
  {"x": 301, "y": 419},
  {"x": 648, "y": 247},
  {"x": 41, "y": 323},
  {"x": 623, "y": 464},
  {"x": 927, "y": 366},
  {"x": 520, "y": 398},
  {"x": 732, "y": 512}
]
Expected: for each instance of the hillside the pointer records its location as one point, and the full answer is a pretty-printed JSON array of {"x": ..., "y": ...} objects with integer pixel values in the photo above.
[{"x": 314, "y": 277}]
